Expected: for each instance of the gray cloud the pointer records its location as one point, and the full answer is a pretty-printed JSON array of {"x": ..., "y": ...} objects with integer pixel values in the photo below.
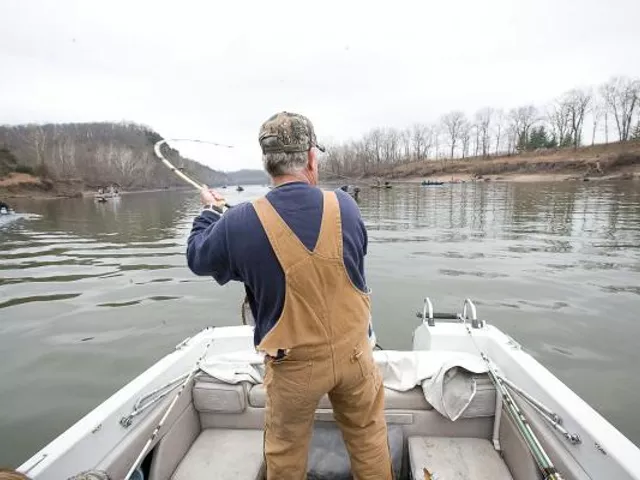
[{"x": 206, "y": 70}]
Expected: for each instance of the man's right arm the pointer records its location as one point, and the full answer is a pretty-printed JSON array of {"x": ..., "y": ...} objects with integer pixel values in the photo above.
[{"x": 207, "y": 247}]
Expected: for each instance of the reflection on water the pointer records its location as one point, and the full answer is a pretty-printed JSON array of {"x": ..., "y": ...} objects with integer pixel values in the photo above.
[{"x": 91, "y": 294}]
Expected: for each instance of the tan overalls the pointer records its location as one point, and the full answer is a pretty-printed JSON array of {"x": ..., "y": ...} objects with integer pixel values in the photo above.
[{"x": 323, "y": 327}]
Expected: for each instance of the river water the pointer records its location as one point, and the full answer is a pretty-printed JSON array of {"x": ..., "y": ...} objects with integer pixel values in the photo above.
[{"x": 92, "y": 294}]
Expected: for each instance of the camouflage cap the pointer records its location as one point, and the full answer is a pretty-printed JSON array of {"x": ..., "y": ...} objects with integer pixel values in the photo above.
[{"x": 287, "y": 132}]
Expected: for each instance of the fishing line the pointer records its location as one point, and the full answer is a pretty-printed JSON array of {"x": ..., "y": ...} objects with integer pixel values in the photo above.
[{"x": 157, "y": 148}]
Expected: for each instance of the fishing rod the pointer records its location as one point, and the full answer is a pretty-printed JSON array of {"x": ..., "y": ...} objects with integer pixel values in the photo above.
[
  {"x": 521, "y": 422},
  {"x": 157, "y": 148},
  {"x": 145, "y": 449}
]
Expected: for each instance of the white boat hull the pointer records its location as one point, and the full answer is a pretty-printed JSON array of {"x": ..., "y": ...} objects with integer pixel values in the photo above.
[{"x": 603, "y": 452}]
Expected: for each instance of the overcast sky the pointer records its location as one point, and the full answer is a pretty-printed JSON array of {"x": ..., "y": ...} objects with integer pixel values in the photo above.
[{"x": 215, "y": 70}]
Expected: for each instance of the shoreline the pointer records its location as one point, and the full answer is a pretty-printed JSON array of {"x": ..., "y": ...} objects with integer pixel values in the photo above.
[
  {"x": 519, "y": 177},
  {"x": 31, "y": 193},
  {"x": 627, "y": 174}
]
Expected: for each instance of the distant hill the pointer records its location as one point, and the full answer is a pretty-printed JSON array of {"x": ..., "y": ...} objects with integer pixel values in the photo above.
[
  {"x": 247, "y": 177},
  {"x": 95, "y": 154}
]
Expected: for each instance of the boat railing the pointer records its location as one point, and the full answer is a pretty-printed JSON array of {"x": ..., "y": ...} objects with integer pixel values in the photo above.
[
  {"x": 469, "y": 313},
  {"x": 150, "y": 399}
]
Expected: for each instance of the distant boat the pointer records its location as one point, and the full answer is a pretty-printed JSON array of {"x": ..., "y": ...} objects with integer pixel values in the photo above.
[
  {"x": 5, "y": 209},
  {"x": 105, "y": 194},
  {"x": 429, "y": 183},
  {"x": 351, "y": 190},
  {"x": 239, "y": 189},
  {"x": 386, "y": 184}
]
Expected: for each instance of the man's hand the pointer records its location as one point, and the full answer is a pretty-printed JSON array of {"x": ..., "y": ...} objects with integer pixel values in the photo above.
[{"x": 211, "y": 197}]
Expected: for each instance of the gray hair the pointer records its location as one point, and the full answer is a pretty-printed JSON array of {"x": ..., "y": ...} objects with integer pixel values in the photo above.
[{"x": 284, "y": 163}]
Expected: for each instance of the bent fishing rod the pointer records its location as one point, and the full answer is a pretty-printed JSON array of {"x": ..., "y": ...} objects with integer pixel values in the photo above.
[{"x": 157, "y": 148}]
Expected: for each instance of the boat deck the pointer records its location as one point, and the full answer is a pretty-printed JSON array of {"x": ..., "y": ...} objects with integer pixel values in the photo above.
[{"x": 225, "y": 425}]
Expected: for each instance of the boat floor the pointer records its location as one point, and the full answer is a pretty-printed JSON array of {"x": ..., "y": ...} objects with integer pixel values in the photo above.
[
  {"x": 219, "y": 435},
  {"x": 226, "y": 453}
]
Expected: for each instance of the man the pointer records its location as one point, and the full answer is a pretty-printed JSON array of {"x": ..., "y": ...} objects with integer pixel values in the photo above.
[{"x": 300, "y": 253}]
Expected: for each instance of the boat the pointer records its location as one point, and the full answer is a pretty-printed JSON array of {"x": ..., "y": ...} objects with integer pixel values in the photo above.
[
  {"x": 239, "y": 189},
  {"x": 499, "y": 415},
  {"x": 386, "y": 185},
  {"x": 5, "y": 209},
  {"x": 352, "y": 190},
  {"x": 103, "y": 197},
  {"x": 105, "y": 194},
  {"x": 430, "y": 183}
]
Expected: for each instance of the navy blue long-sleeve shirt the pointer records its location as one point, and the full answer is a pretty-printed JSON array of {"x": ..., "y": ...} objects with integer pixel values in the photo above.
[{"x": 234, "y": 246}]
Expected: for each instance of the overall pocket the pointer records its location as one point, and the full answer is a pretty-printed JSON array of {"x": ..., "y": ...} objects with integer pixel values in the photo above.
[
  {"x": 363, "y": 356},
  {"x": 288, "y": 404},
  {"x": 291, "y": 378}
]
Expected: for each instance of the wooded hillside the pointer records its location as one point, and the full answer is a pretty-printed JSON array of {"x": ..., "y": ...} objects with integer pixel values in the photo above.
[
  {"x": 95, "y": 154},
  {"x": 580, "y": 117}
]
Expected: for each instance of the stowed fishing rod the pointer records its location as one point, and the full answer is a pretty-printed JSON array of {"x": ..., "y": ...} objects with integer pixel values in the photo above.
[
  {"x": 546, "y": 466},
  {"x": 157, "y": 148},
  {"x": 154, "y": 434}
]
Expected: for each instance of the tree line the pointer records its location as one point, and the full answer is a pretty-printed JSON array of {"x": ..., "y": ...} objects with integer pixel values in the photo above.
[
  {"x": 95, "y": 154},
  {"x": 611, "y": 109}
]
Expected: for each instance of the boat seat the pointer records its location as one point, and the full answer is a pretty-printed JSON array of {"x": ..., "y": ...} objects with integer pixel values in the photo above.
[
  {"x": 221, "y": 454},
  {"x": 456, "y": 458},
  {"x": 393, "y": 400},
  {"x": 213, "y": 396}
]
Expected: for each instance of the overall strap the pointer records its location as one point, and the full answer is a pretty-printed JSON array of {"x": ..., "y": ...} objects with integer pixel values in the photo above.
[
  {"x": 286, "y": 245},
  {"x": 329, "y": 243}
]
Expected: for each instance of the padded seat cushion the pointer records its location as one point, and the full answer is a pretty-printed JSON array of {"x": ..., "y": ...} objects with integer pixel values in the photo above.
[
  {"x": 219, "y": 454},
  {"x": 393, "y": 400},
  {"x": 456, "y": 459},
  {"x": 218, "y": 397}
]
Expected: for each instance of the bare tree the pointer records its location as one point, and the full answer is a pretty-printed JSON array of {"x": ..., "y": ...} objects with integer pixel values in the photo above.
[
  {"x": 36, "y": 138},
  {"x": 476, "y": 130},
  {"x": 422, "y": 141},
  {"x": 405, "y": 138},
  {"x": 453, "y": 123},
  {"x": 558, "y": 118},
  {"x": 598, "y": 112},
  {"x": 498, "y": 128},
  {"x": 512, "y": 138},
  {"x": 390, "y": 145},
  {"x": 430, "y": 139},
  {"x": 522, "y": 119},
  {"x": 576, "y": 103},
  {"x": 437, "y": 134},
  {"x": 483, "y": 122},
  {"x": 465, "y": 136},
  {"x": 622, "y": 97}
]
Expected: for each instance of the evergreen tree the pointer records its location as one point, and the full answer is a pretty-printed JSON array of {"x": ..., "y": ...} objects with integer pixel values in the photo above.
[
  {"x": 539, "y": 138},
  {"x": 567, "y": 141}
]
